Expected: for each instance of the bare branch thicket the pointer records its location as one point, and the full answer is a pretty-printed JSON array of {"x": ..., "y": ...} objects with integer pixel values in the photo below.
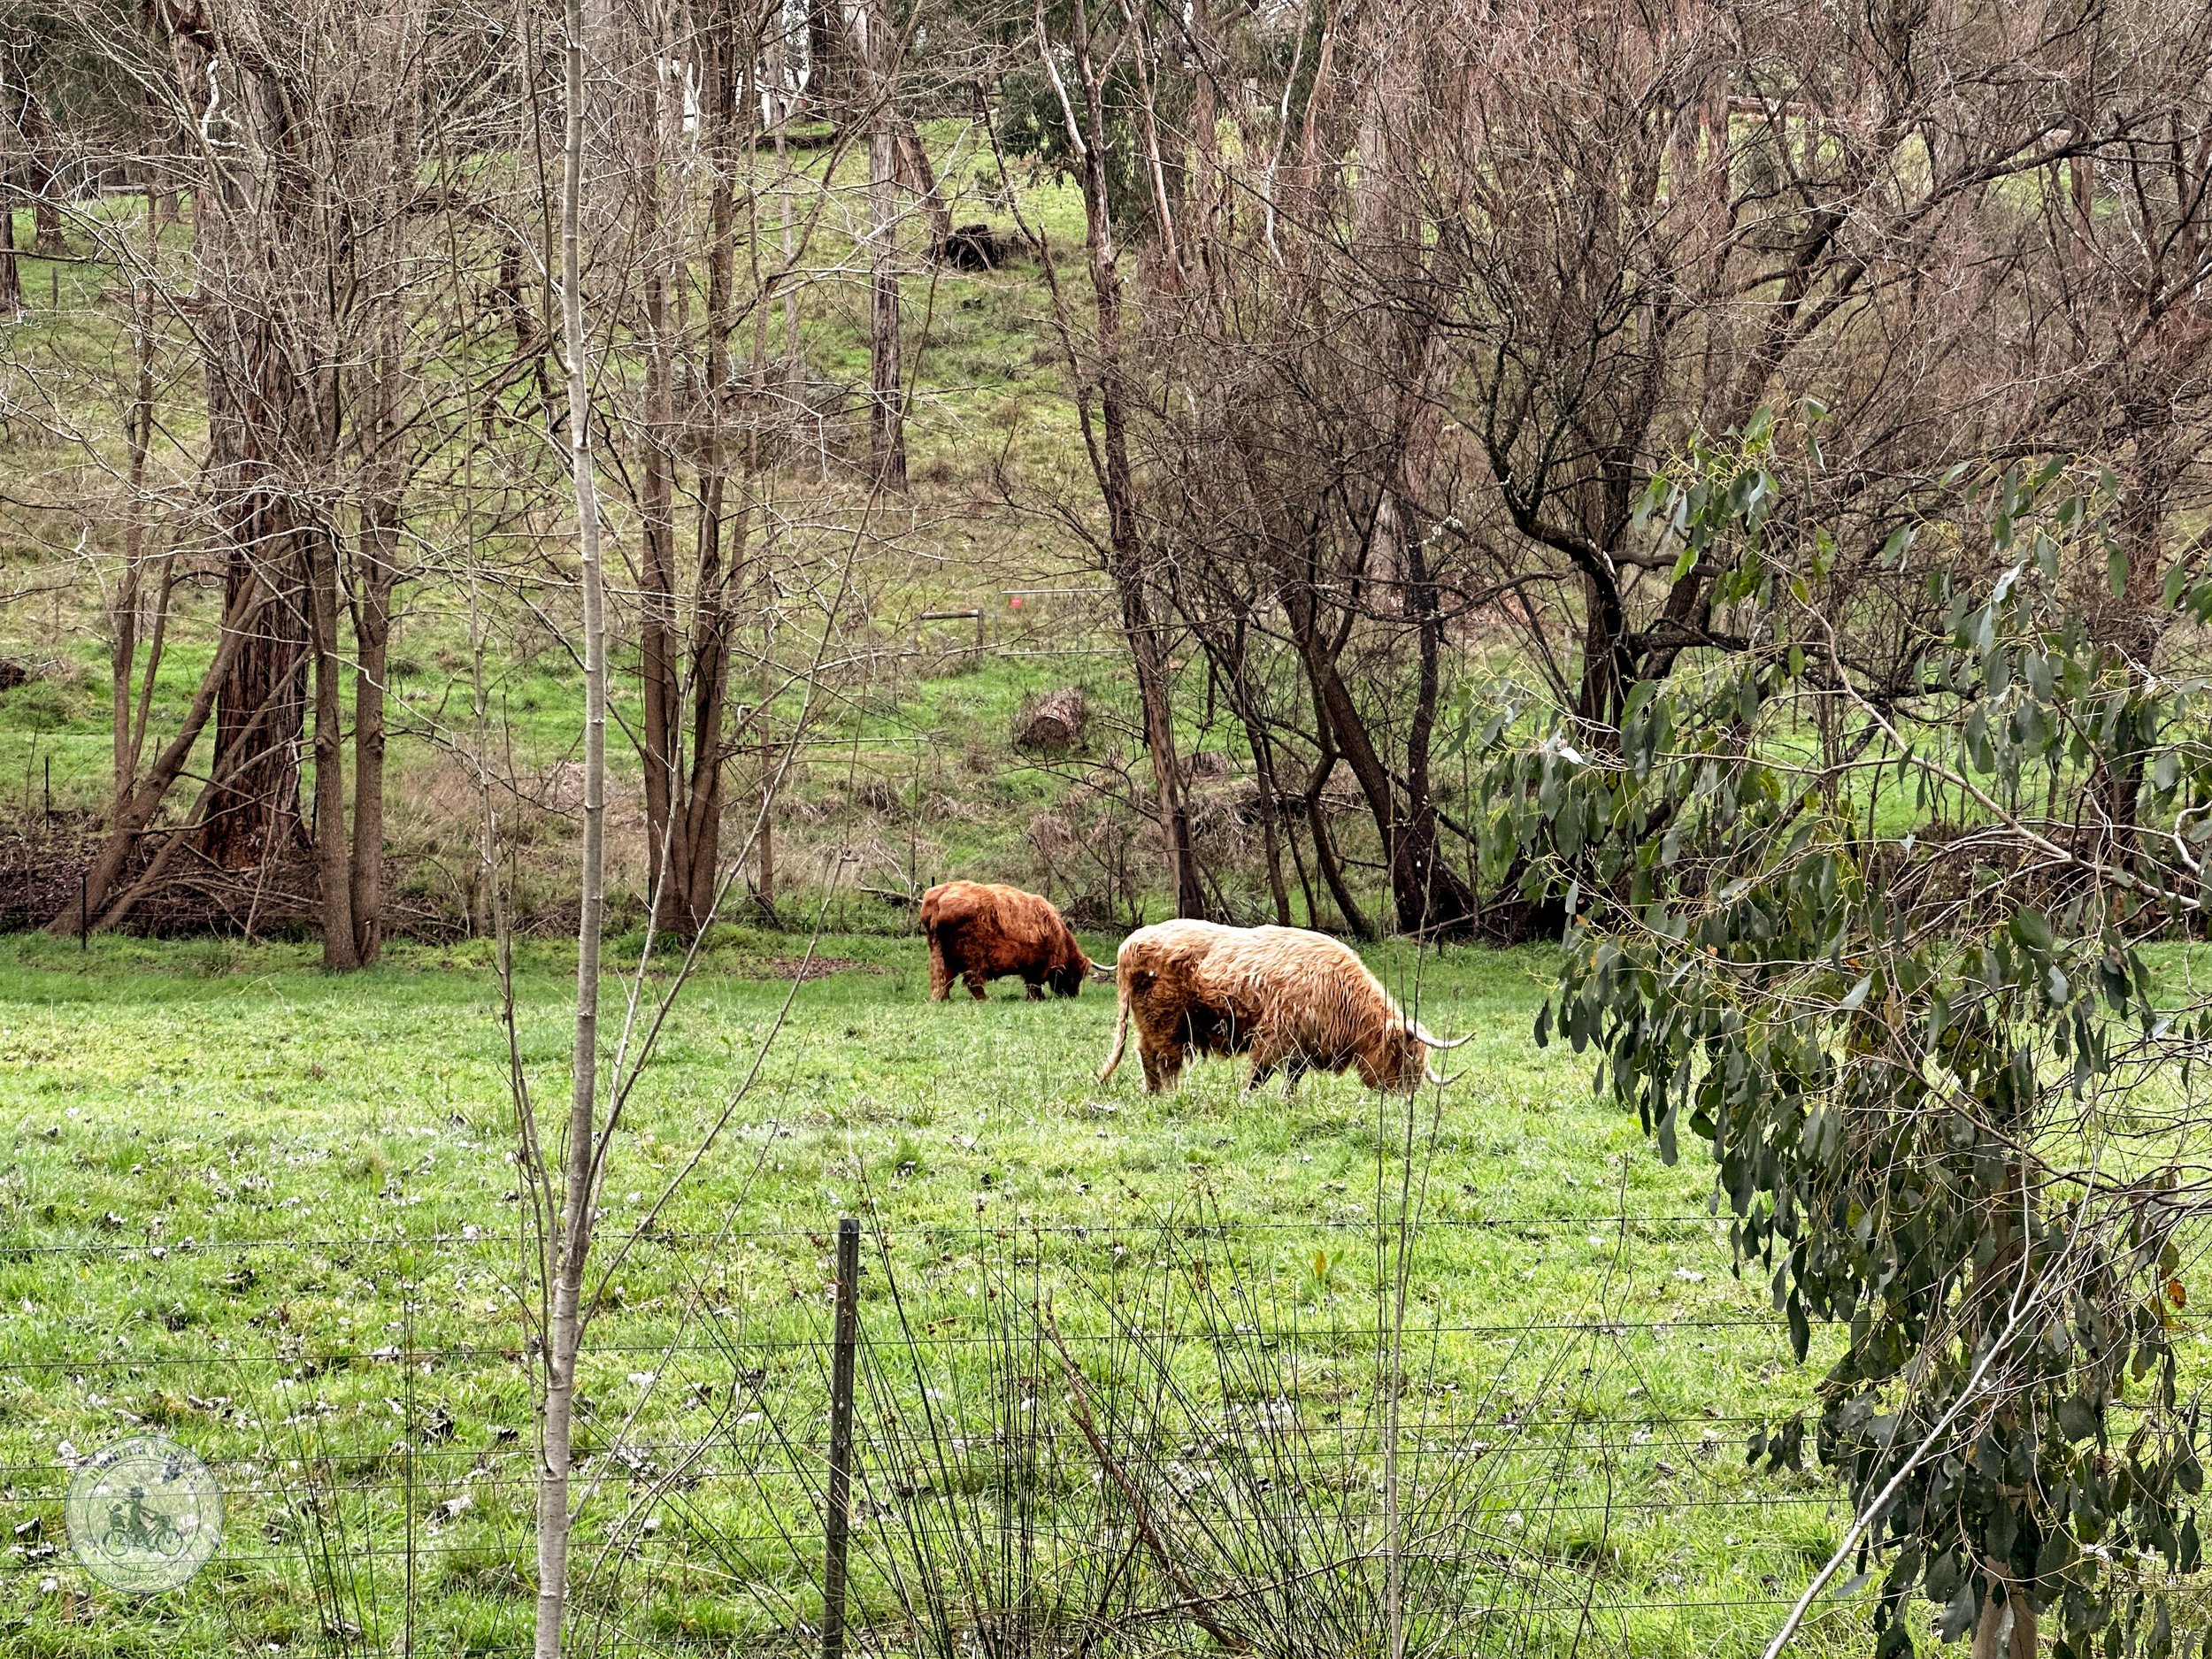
[
  {"x": 305, "y": 354},
  {"x": 1426, "y": 334}
]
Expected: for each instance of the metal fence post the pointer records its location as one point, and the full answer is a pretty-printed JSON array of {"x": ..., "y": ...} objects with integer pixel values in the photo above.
[{"x": 837, "y": 1527}]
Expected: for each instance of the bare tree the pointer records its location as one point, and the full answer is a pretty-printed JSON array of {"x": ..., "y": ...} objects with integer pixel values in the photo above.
[
  {"x": 315, "y": 175},
  {"x": 1499, "y": 267},
  {"x": 886, "y": 382},
  {"x": 572, "y": 1211},
  {"x": 1124, "y": 551}
]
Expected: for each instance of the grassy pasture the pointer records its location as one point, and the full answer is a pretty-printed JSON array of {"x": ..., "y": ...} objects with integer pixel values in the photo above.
[{"x": 267, "y": 1210}]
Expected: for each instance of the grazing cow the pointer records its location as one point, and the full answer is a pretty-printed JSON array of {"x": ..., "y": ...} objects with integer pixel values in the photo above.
[
  {"x": 1289, "y": 998},
  {"x": 978, "y": 931}
]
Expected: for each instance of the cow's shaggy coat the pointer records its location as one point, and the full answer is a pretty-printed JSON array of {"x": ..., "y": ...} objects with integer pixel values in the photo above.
[
  {"x": 1291, "y": 999},
  {"x": 978, "y": 931}
]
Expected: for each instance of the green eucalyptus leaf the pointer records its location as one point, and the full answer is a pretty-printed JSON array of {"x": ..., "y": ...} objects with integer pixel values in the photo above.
[
  {"x": 2078, "y": 1417},
  {"x": 1959, "y": 1616}
]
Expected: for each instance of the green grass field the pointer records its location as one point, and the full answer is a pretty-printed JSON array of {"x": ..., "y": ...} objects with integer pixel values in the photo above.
[{"x": 270, "y": 1213}]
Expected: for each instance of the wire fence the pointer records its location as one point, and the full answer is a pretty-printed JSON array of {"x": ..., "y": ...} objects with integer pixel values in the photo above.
[{"x": 1450, "y": 1436}]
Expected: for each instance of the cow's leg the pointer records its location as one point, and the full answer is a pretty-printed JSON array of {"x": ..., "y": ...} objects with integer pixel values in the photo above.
[
  {"x": 1267, "y": 1053},
  {"x": 1292, "y": 1071},
  {"x": 1036, "y": 991},
  {"x": 975, "y": 982},
  {"x": 939, "y": 972},
  {"x": 1162, "y": 1067}
]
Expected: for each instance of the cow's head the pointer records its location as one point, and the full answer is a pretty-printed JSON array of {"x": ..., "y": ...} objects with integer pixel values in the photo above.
[
  {"x": 1065, "y": 977},
  {"x": 1401, "y": 1059}
]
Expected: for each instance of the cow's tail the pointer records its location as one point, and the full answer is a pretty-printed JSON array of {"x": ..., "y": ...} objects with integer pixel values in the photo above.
[{"x": 1121, "y": 1025}]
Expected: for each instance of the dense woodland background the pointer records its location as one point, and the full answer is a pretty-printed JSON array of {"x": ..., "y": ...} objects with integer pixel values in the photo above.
[{"x": 1286, "y": 388}]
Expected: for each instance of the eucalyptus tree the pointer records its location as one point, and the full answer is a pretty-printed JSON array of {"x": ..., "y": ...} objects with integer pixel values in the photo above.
[{"x": 1846, "y": 904}]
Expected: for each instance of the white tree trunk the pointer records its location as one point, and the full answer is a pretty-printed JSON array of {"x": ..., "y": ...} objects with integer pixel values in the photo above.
[{"x": 573, "y": 1223}]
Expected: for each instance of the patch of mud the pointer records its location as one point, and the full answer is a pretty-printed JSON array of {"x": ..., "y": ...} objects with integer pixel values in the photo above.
[{"x": 806, "y": 968}]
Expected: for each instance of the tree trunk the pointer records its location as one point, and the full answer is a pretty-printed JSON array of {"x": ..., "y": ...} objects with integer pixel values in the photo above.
[
  {"x": 1430, "y": 897},
  {"x": 40, "y": 139},
  {"x": 1208, "y": 184},
  {"x": 795, "y": 358},
  {"x": 721, "y": 534},
  {"x": 132, "y": 819},
  {"x": 918, "y": 175},
  {"x": 1127, "y": 555},
  {"x": 886, "y": 426},
  {"x": 141, "y": 715},
  {"x": 138, "y": 427},
  {"x": 1152, "y": 681},
  {"x": 270, "y": 421},
  {"x": 1333, "y": 869},
  {"x": 257, "y": 408},
  {"x": 156, "y": 867},
  {"x": 1427, "y": 893},
  {"x": 2023, "y": 1641},
  {"x": 2129, "y": 625},
  {"x": 563, "y": 1333},
  {"x": 659, "y": 647},
  {"x": 1229, "y": 658},
  {"x": 702, "y": 826},
  {"x": 10, "y": 277},
  {"x": 829, "y": 62},
  {"x": 2006, "y": 1281},
  {"x": 138, "y": 431},
  {"x": 684, "y": 795},
  {"x": 1317, "y": 822},
  {"x": 334, "y": 870},
  {"x": 1270, "y": 839},
  {"x": 764, "y": 854},
  {"x": 377, "y": 574},
  {"x": 382, "y": 430},
  {"x": 765, "y": 847},
  {"x": 256, "y": 814},
  {"x": 1604, "y": 691},
  {"x": 1171, "y": 254}
]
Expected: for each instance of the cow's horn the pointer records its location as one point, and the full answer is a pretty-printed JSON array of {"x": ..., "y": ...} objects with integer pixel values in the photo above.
[
  {"x": 1103, "y": 972},
  {"x": 1429, "y": 1038},
  {"x": 1441, "y": 1080}
]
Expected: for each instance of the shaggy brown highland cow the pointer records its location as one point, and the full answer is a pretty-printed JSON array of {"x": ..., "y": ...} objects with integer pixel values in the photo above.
[
  {"x": 978, "y": 931},
  {"x": 1287, "y": 997}
]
